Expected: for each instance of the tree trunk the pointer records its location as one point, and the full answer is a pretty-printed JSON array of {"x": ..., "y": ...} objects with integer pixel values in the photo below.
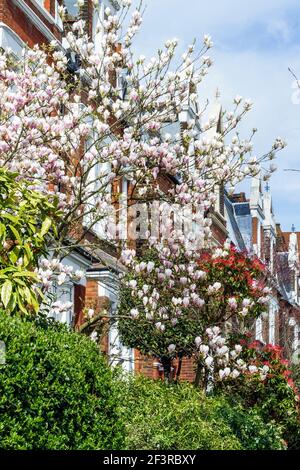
[
  {"x": 167, "y": 362},
  {"x": 178, "y": 372},
  {"x": 198, "y": 376}
]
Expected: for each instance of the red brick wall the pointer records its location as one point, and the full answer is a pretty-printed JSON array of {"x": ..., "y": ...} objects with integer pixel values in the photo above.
[
  {"x": 254, "y": 230},
  {"x": 79, "y": 300}
]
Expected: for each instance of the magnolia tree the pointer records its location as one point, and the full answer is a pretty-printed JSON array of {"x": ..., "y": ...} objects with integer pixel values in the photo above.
[
  {"x": 75, "y": 135},
  {"x": 172, "y": 294}
]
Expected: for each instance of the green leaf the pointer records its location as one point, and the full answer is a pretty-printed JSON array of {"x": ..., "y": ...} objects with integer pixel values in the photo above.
[
  {"x": 6, "y": 292},
  {"x": 2, "y": 230},
  {"x": 45, "y": 226},
  {"x": 24, "y": 274},
  {"x": 12, "y": 303},
  {"x": 16, "y": 233},
  {"x": 10, "y": 217}
]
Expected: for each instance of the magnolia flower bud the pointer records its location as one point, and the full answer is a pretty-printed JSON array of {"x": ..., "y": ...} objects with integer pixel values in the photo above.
[
  {"x": 132, "y": 283},
  {"x": 61, "y": 278},
  {"x": 90, "y": 312},
  {"x": 94, "y": 336},
  {"x": 235, "y": 373},
  {"x": 134, "y": 313},
  {"x": 204, "y": 349},
  {"x": 150, "y": 266},
  {"x": 232, "y": 303},
  {"x": 171, "y": 348},
  {"x": 209, "y": 360},
  {"x": 238, "y": 348}
]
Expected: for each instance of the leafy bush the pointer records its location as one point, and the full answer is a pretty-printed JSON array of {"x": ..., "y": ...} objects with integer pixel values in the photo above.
[
  {"x": 268, "y": 386},
  {"x": 254, "y": 432},
  {"x": 171, "y": 417},
  {"x": 27, "y": 220},
  {"x": 55, "y": 390},
  {"x": 180, "y": 417}
]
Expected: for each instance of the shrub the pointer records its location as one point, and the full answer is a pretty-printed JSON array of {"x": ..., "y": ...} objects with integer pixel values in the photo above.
[
  {"x": 56, "y": 392},
  {"x": 180, "y": 417},
  {"x": 171, "y": 417},
  {"x": 171, "y": 295},
  {"x": 267, "y": 385},
  {"x": 254, "y": 432}
]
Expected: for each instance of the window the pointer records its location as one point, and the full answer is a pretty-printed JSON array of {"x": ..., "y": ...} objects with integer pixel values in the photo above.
[
  {"x": 10, "y": 40},
  {"x": 117, "y": 353}
]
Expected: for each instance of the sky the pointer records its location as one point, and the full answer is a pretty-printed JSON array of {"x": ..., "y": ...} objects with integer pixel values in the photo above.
[{"x": 255, "y": 42}]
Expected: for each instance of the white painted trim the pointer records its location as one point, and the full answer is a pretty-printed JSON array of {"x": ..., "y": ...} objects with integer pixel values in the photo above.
[
  {"x": 259, "y": 329},
  {"x": 76, "y": 257},
  {"x": 107, "y": 280},
  {"x": 272, "y": 326},
  {"x": 43, "y": 11},
  {"x": 38, "y": 23}
]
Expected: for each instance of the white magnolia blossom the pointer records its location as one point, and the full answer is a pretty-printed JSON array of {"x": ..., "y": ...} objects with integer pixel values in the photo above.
[
  {"x": 90, "y": 313},
  {"x": 219, "y": 362},
  {"x": 94, "y": 336}
]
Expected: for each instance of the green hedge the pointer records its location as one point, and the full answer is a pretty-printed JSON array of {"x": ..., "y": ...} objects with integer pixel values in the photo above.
[
  {"x": 253, "y": 431},
  {"x": 179, "y": 417},
  {"x": 56, "y": 392}
]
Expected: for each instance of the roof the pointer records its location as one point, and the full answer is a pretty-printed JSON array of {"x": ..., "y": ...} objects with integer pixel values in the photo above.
[{"x": 107, "y": 262}]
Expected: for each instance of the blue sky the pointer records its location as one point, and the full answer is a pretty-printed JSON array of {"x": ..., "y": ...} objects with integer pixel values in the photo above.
[{"x": 254, "y": 44}]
